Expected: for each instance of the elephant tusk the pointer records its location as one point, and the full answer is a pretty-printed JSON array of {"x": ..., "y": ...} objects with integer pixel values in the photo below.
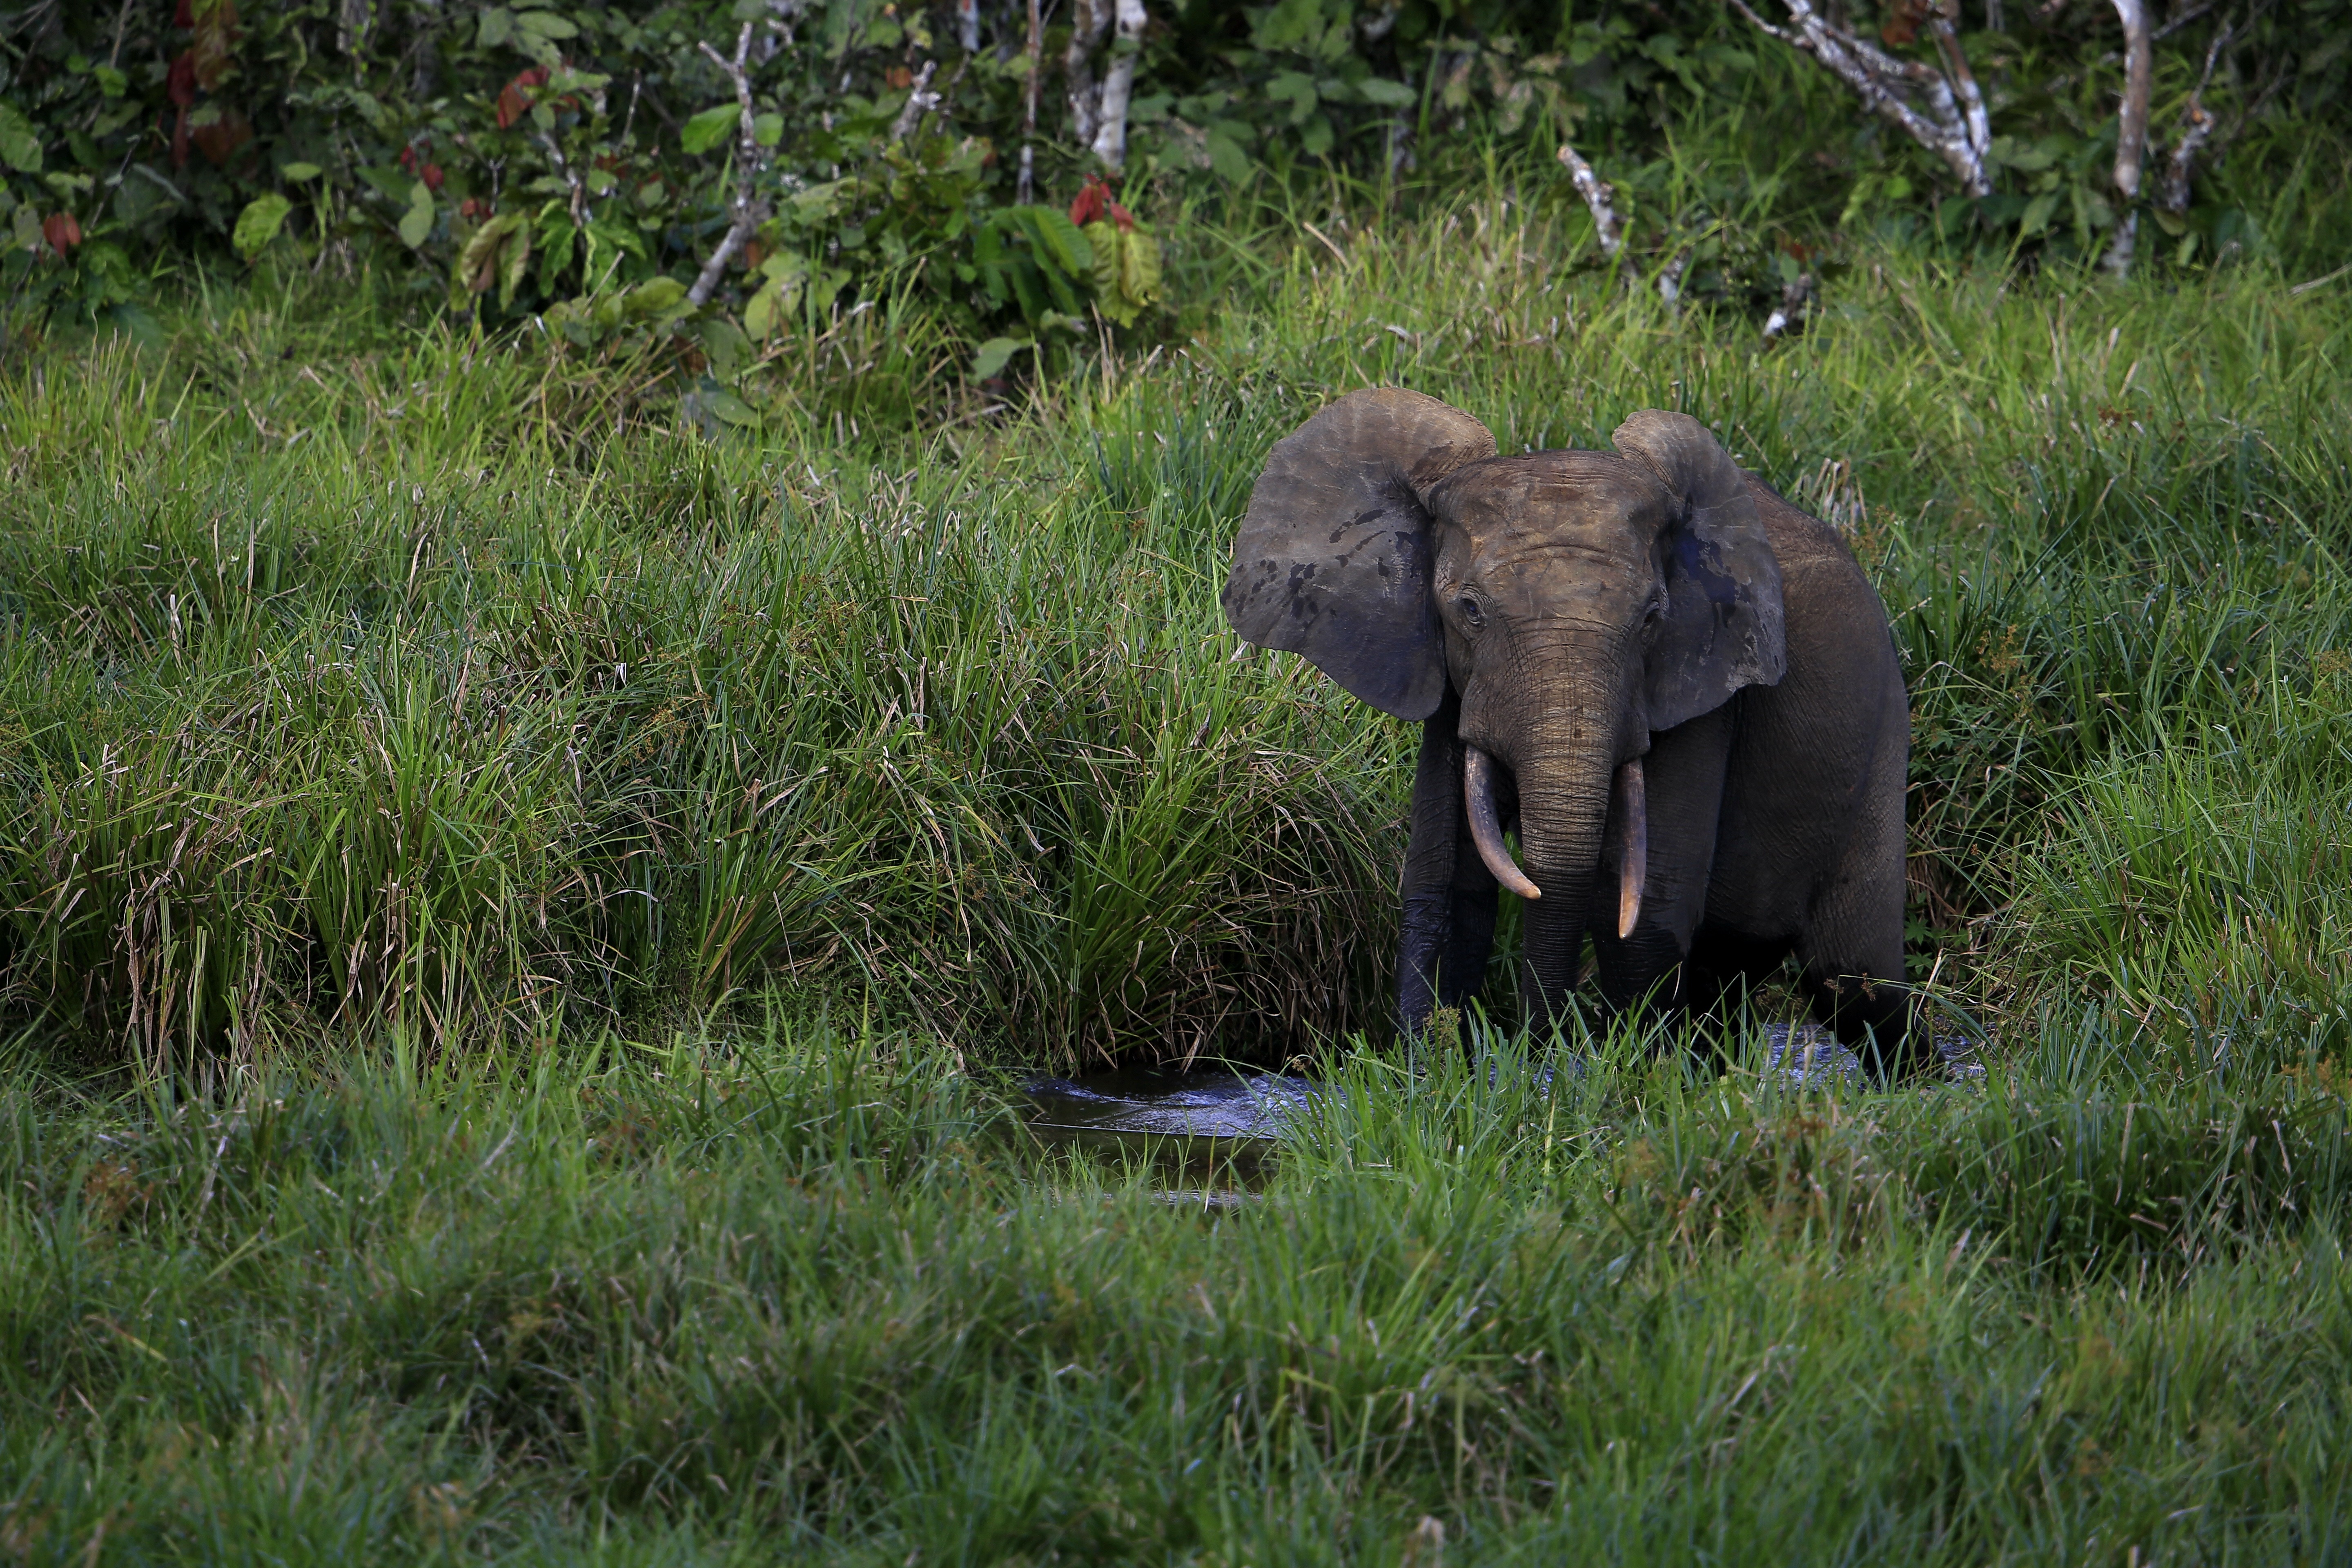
[
  {"x": 1632, "y": 814},
  {"x": 1485, "y": 828}
]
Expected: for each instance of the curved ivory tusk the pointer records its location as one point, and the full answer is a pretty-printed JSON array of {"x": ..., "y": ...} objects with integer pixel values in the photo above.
[
  {"x": 1632, "y": 812},
  {"x": 1485, "y": 828}
]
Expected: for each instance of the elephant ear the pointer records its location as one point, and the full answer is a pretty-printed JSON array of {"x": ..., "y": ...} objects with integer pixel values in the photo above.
[
  {"x": 1333, "y": 557},
  {"x": 1723, "y": 627}
]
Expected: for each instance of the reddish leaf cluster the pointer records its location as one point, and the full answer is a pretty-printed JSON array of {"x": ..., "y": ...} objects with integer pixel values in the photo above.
[
  {"x": 1903, "y": 20},
  {"x": 212, "y": 26},
  {"x": 62, "y": 231},
  {"x": 429, "y": 173},
  {"x": 514, "y": 99},
  {"x": 1095, "y": 203}
]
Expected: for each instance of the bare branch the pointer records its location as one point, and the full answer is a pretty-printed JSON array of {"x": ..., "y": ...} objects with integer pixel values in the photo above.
[
  {"x": 919, "y": 102},
  {"x": 748, "y": 214},
  {"x": 2131, "y": 132},
  {"x": 1794, "y": 297},
  {"x": 1601, "y": 196},
  {"x": 2197, "y": 122},
  {"x": 1670, "y": 282},
  {"x": 1942, "y": 109},
  {"x": 2180, "y": 19},
  {"x": 2172, "y": 190},
  {"x": 968, "y": 25}
]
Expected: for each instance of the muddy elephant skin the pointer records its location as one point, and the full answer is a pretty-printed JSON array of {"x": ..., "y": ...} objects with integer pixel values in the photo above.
[{"x": 1681, "y": 690}]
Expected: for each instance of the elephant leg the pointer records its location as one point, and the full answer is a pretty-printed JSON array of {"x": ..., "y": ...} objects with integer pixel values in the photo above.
[
  {"x": 1684, "y": 776},
  {"x": 1449, "y": 895},
  {"x": 1726, "y": 967},
  {"x": 1850, "y": 941}
]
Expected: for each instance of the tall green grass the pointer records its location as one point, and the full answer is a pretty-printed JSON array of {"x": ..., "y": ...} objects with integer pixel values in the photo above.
[
  {"x": 807, "y": 1290},
  {"x": 352, "y": 688},
  {"x": 497, "y": 804}
]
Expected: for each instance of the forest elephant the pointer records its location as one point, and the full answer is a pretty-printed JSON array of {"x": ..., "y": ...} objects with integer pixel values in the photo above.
[{"x": 1681, "y": 690}]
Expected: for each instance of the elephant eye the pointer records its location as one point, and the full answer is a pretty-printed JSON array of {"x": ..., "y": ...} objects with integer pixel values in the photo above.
[{"x": 1471, "y": 616}]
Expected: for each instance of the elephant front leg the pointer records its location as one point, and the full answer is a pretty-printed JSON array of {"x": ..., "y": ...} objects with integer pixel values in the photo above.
[
  {"x": 1684, "y": 774},
  {"x": 1449, "y": 895}
]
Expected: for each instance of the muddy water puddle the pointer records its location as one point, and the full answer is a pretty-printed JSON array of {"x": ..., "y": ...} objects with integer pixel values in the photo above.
[{"x": 1209, "y": 1137}]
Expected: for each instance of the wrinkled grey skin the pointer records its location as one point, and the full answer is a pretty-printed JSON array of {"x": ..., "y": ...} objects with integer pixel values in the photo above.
[{"x": 1566, "y": 612}]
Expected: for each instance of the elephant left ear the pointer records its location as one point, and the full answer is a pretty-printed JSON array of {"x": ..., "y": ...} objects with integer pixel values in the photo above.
[{"x": 1724, "y": 624}]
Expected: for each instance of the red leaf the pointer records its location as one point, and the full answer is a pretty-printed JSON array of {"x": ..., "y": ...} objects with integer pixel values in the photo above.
[
  {"x": 514, "y": 101},
  {"x": 180, "y": 81},
  {"x": 432, "y": 176},
  {"x": 219, "y": 141},
  {"x": 62, "y": 230},
  {"x": 186, "y": 15},
  {"x": 1092, "y": 202}
]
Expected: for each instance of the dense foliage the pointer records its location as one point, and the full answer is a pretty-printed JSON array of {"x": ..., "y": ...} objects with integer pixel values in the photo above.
[{"x": 581, "y": 162}]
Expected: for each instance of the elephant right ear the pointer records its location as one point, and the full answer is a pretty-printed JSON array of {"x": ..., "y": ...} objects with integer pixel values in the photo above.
[
  {"x": 1724, "y": 623},
  {"x": 1334, "y": 555}
]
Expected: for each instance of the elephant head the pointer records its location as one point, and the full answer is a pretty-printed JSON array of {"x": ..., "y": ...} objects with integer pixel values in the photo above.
[{"x": 1575, "y": 602}]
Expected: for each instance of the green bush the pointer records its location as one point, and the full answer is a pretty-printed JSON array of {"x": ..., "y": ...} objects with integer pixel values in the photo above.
[{"x": 515, "y": 158}]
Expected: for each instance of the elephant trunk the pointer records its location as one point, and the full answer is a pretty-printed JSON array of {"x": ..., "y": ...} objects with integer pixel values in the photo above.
[{"x": 1566, "y": 779}]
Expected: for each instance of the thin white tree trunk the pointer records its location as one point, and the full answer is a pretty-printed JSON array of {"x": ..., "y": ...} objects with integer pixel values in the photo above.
[
  {"x": 2131, "y": 132},
  {"x": 1090, "y": 22},
  {"x": 1119, "y": 88}
]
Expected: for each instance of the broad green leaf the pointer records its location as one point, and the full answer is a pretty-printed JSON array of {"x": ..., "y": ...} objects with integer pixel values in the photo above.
[
  {"x": 710, "y": 128},
  {"x": 388, "y": 179},
  {"x": 26, "y": 234},
  {"x": 821, "y": 202},
  {"x": 112, "y": 83},
  {"x": 1386, "y": 93},
  {"x": 556, "y": 241},
  {"x": 416, "y": 223},
  {"x": 1227, "y": 157},
  {"x": 778, "y": 297},
  {"x": 655, "y": 297},
  {"x": 517, "y": 264},
  {"x": 1126, "y": 272},
  {"x": 1059, "y": 238},
  {"x": 994, "y": 355},
  {"x": 498, "y": 252},
  {"x": 301, "y": 172},
  {"x": 732, "y": 408},
  {"x": 259, "y": 224},
  {"x": 546, "y": 25},
  {"x": 496, "y": 28},
  {"x": 2037, "y": 213},
  {"x": 768, "y": 130},
  {"x": 728, "y": 349},
  {"x": 20, "y": 144}
]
